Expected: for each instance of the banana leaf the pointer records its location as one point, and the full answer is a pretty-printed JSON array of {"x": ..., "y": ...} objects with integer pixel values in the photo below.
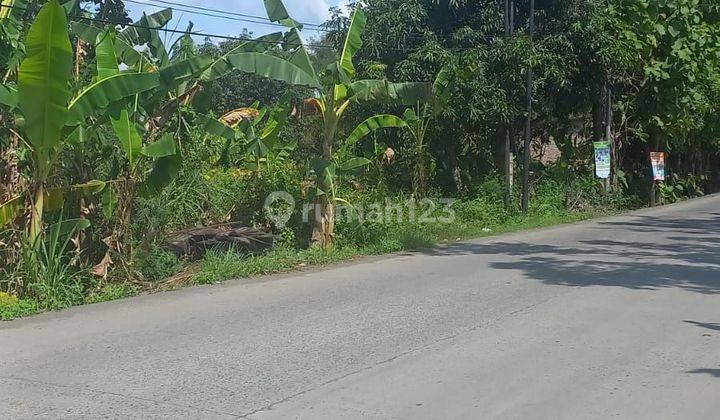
[
  {"x": 163, "y": 172},
  {"x": 353, "y": 163},
  {"x": 43, "y": 78},
  {"x": 55, "y": 197},
  {"x": 371, "y": 124},
  {"x": 277, "y": 12},
  {"x": 273, "y": 68},
  {"x": 11, "y": 210},
  {"x": 161, "y": 148},
  {"x": 98, "y": 96},
  {"x": 145, "y": 32},
  {"x": 222, "y": 66},
  {"x": 124, "y": 127},
  {"x": 124, "y": 51},
  {"x": 353, "y": 41},
  {"x": 68, "y": 227},
  {"x": 173, "y": 75},
  {"x": 9, "y": 96},
  {"x": 217, "y": 128},
  {"x": 300, "y": 56}
]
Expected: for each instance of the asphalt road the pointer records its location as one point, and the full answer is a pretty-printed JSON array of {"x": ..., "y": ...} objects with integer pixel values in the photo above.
[{"x": 614, "y": 318}]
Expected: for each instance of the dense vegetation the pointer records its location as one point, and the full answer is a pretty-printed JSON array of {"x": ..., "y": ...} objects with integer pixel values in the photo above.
[{"x": 111, "y": 138}]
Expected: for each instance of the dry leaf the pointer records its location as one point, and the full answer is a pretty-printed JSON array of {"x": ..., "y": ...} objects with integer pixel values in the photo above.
[
  {"x": 236, "y": 116},
  {"x": 388, "y": 155},
  {"x": 101, "y": 270},
  {"x": 312, "y": 106}
]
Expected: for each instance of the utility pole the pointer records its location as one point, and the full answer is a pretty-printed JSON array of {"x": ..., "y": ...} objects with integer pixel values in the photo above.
[
  {"x": 608, "y": 134},
  {"x": 508, "y": 157},
  {"x": 528, "y": 127}
]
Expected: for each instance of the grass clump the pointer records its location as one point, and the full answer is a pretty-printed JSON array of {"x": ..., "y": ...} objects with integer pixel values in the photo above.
[
  {"x": 12, "y": 307},
  {"x": 111, "y": 292},
  {"x": 156, "y": 263},
  {"x": 218, "y": 266}
]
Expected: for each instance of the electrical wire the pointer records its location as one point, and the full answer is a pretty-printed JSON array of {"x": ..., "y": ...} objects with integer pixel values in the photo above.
[
  {"x": 231, "y": 38},
  {"x": 158, "y": 3},
  {"x": 224, "y": 12},
  {"x": 206, "y": 11}
]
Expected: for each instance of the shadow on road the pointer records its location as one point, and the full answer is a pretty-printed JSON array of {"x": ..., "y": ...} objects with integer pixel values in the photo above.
[
  {"x": 712, "y": 372},
  {"x": 711, "y": 326},
  {"x": 643, "y": 253}
]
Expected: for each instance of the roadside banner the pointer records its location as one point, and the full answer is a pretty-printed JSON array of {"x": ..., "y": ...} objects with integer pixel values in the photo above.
[
  {"x": 658, "y": 165},
  {"x": 602, "y": 159}
]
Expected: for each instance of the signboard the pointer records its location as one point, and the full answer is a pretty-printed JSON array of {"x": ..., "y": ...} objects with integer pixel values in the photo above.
[
  {"x": 602, "y": 159},
  {"x": 658, "y": 165}
]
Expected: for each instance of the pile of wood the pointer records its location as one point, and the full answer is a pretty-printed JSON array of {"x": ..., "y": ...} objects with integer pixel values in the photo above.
[{"x": 195, "y": 242}]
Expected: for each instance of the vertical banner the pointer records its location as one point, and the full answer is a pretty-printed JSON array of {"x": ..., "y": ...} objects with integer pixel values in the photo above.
[
  {"x": 658, "y": 165},
  {"x": 602, "y": 159}
]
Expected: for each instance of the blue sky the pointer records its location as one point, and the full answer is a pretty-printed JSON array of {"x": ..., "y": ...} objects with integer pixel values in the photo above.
[{"x": 312, "y": 11}]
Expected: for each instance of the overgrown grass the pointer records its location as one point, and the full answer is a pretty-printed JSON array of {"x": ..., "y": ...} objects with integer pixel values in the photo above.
[{"x": 219, "y": 266}]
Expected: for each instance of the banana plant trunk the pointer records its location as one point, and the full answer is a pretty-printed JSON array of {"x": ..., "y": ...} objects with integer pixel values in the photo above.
[
  {"x": 324, "y": 209},
  {"x": 420, "y": 175},
  {"x": 36, "y": 215},
  {"x": 121, "y": 239},
  {"x": 420, "y": 178}
]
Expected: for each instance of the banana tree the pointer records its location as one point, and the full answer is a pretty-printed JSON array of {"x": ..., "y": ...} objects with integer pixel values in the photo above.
[
  {"x": 416, "y": 119},
  {"x": 336, "y": 91},
  {"x": 49, "y": 112},
  {"x": 257, "y": 131}
]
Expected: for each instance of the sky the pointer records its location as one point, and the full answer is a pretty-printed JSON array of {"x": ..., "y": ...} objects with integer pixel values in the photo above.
[{"x": 311, "y": 11}]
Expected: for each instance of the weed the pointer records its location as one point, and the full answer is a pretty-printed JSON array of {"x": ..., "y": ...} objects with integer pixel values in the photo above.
[
  {"x": 50, "y": 271},
  {"x": 111, "y": 292},
  {"x": 156, "y": 263},
  {"x": 219, "y": 266},
  {"x": 11, "y": 307}
]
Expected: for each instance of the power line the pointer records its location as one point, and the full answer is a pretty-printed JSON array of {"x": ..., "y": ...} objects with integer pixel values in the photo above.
[
  {"x": 199, "y": 34},
  {"x": 225, "y": 15},
  {"x": 229, "y": 15},
  {"x": 232, "y": 38},
  {"x": 225, "y": 12}
]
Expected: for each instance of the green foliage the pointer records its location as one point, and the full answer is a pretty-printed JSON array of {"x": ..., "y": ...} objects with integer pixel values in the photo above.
[
  {"x": 217, "y": 267},
  {"x": 11, "y": 307},
  {"x": 110, "y": 292},
  {"x": 43, "y": 81},
  {"x": 677, "y": 188},
  {"x": 156, "y": 263},
  {"x": 483, "y": 211},
  {"x": 53, "y": 279}
]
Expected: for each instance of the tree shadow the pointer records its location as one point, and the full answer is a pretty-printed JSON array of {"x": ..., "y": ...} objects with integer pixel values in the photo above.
[
  {"x": 644, "y": 253},
  {"x": 711, "y": 372},
  {"x": 709, "y": 325}
]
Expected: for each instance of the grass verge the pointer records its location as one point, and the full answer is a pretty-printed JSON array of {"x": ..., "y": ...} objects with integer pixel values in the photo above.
[{"x": 220, "y": 266}]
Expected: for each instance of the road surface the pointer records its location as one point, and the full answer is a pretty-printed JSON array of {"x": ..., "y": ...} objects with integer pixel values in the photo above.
[{"x": 613, "y": 318}]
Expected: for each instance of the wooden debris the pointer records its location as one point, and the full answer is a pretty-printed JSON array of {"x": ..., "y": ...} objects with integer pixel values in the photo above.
[{"x": 195, "y": 242}]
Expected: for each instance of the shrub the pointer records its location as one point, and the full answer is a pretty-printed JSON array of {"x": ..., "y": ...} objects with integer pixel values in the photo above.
[
  {"x": 54, "y": 279},
  {"x": 548, "y": 198},
  {"x": 156, "y": 263}
]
